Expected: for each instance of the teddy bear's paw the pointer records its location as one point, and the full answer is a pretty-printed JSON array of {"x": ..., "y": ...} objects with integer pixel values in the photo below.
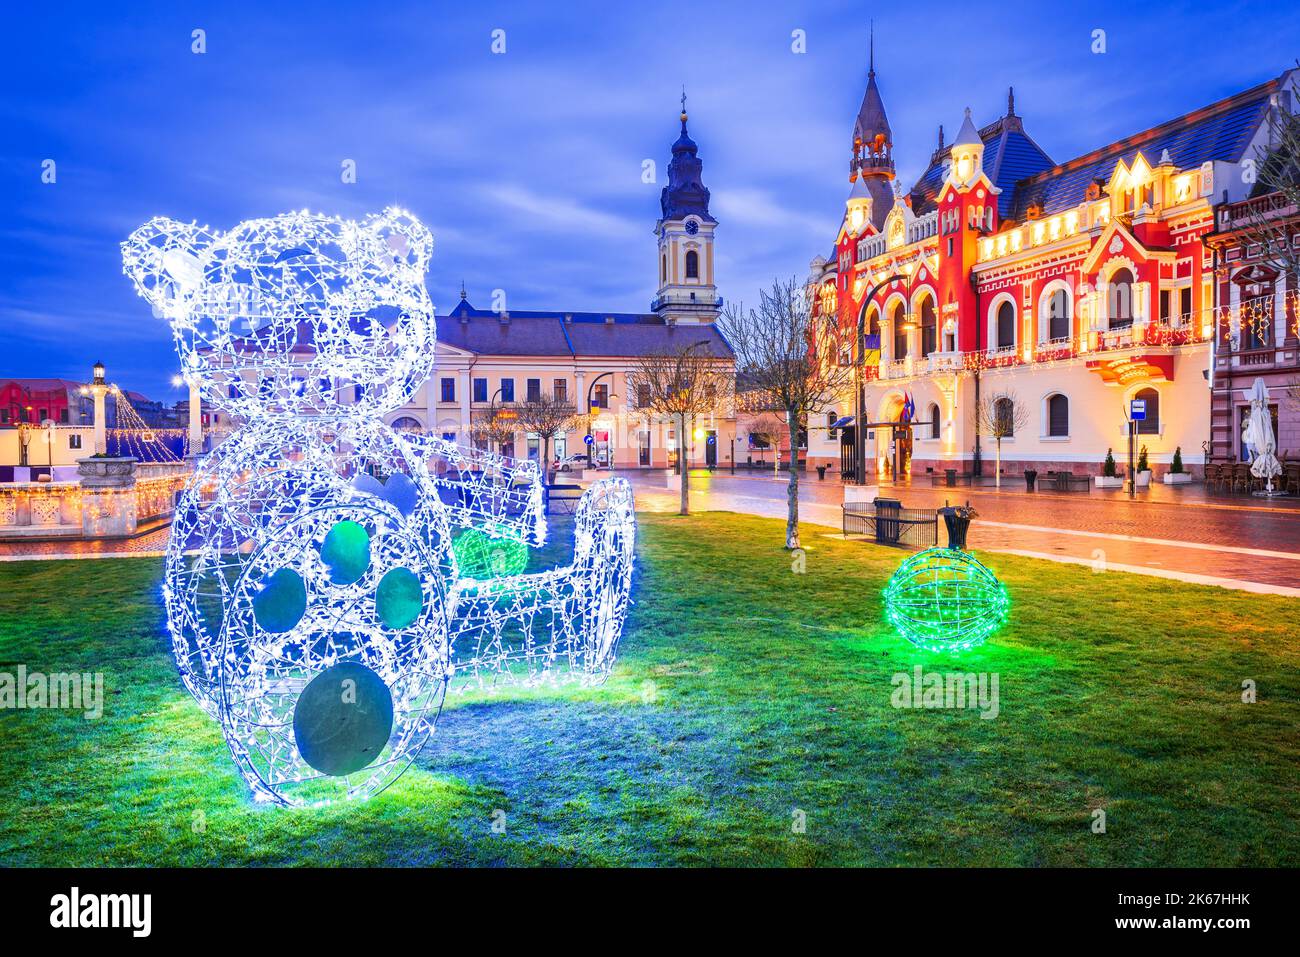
[{"x": 334, "y": 655}]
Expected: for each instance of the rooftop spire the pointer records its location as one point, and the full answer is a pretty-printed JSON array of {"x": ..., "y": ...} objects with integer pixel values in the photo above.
[
  {"x": 463, "y": 297},
  {"x": 1011, "y": 101},
  {"x": 871, "y": 54},
  {"x": 968, "y": 135},
  {"x": 685, "y": 193},
  {"x": 940, "y": 136}
]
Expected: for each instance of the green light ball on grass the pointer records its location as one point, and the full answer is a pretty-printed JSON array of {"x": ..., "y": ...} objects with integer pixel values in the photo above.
[
  {"x": 944, "y": 600},
  {"x": 480, "y": 556}
]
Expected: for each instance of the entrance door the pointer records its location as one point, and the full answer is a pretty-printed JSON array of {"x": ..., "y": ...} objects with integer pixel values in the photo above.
[
  {"x": 644, "y": 450},
  {"x": 903, "y": 452},
  {"x": 711, "y": 448}
]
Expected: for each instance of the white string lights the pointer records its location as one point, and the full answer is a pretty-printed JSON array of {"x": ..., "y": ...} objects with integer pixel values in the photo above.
[
  {"x": 313, "y": 596},
  {"x": 133, "y": 436}
]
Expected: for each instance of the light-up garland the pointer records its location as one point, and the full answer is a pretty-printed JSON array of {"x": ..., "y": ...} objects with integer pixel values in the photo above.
[
  {"x": 942, "y": 599},
  {"x": 133, "y": 436},
  {"x": 313, "y": 595}
]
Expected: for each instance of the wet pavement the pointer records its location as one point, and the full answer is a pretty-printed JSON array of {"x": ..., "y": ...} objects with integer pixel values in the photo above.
[{"x": 1181, "y": 532}]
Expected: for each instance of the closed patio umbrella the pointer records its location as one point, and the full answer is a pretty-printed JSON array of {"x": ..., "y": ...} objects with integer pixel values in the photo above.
[{"x": 1259, "y": 436}]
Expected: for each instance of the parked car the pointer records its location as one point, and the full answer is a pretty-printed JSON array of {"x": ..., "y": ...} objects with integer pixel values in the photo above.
[{"x": 570, "y": 462}]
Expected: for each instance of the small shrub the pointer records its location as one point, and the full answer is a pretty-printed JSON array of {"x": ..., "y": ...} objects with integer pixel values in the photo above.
[
  {"x": 1108, "y": 468},
  {"x": 1176, "y": 466}
]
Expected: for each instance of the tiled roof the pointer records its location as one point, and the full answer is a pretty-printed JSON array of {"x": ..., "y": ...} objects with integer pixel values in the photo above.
[
  {"x": 553, "y": 333},
  {"x": 1221, "y": 131},
  {"x": 41, "y": 385},
  {"x": 1009, "y": 155}
]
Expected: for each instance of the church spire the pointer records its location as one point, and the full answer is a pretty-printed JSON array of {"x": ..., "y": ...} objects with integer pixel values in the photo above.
[{"x": 685, "y": 193}]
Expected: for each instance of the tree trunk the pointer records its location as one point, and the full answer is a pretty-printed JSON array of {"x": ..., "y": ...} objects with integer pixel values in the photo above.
[
  {"x": 546, "y": 459},
  {"x": 792, "y": 488},
  {"x": 683, "y": 466},
  {"x": 997, "y": 465}
]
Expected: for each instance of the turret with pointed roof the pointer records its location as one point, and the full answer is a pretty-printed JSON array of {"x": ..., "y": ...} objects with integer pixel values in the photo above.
[{"x": 872, "y": 155}]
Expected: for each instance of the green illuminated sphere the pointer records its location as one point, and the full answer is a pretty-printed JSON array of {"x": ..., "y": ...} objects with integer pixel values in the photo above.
[
  {"x": 480, "y": 556},
  {"x": 944, "y": 600}
]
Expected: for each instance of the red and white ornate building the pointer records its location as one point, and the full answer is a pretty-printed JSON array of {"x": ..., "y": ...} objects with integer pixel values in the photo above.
[{"x": 1073, "y": 287}]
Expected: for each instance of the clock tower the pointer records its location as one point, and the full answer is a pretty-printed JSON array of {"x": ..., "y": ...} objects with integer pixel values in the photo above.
[{"x": 687, "y": 291}]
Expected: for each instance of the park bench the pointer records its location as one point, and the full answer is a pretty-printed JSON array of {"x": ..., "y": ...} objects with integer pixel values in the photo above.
[
  {"x": 888, "y": 523},
  {"x": 562, "y": 498}
]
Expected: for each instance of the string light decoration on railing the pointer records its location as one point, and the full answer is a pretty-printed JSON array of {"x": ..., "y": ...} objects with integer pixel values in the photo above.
[{"x": 313, "y": 595}]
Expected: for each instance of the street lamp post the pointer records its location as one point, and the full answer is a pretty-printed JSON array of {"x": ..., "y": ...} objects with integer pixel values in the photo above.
[
  {"x": 99, "y": 388},
  {"x": 859, "y": 432},
  {"x": 591, "y": 446}
]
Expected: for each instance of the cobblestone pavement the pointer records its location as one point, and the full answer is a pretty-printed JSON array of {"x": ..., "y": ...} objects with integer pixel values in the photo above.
[
  {"x": 153, "y": 542},
  {"x": 1184, "y": 532},
  {"x": 1181, "y": 533}
]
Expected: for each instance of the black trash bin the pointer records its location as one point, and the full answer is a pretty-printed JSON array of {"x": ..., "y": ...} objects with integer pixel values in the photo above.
[
  {"x": 888, "y": 527},
  {"x": 1031, "y": 476},
  {"x": 821, "y": 473},
  {"x": 958, "y": 524}
]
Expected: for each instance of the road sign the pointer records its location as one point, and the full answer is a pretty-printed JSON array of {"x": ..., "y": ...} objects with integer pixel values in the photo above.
[
  {"x": 590, "y": 440},
  {"x": 1137, "y": 409}
]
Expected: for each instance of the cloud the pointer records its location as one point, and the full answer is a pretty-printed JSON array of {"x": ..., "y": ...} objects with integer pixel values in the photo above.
[{"x": 550, "y": 213}]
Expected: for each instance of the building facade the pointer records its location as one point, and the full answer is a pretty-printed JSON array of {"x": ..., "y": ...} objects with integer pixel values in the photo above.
[
  {"x": 1257, "y": 321},
  {"x": 1064, "y": 289},
  {"x": 497, "y": 358}
]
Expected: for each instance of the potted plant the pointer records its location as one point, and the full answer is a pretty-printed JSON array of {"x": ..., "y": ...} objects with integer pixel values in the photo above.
[
  {"x": 1176, "y": 474},
  {"x": 1143, "y": 471},
  {"x": 1109, "y": 477}
]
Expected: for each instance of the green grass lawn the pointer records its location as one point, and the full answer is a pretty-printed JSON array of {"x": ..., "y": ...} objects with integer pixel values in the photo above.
[{"x": 743, "y": 692}]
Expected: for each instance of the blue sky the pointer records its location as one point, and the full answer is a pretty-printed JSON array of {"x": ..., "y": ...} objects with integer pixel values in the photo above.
[{"x": 527, "y": 165}]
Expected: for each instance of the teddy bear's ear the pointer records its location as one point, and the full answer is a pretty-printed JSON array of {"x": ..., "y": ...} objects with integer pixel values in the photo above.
[
  {"x": 163, "y": 259},
  {"x": 408, "y": 239}
]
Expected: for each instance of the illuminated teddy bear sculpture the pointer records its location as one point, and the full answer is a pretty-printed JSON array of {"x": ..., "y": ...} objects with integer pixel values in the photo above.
[{"x": 313, "y": 596}]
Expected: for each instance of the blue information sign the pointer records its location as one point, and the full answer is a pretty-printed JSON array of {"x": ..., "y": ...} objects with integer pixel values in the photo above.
[{"x": 1137, "y": 409}]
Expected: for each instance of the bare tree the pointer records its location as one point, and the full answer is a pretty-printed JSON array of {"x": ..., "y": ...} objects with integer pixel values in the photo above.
[
  {"x": 794, "y": 359},
  {"x": 1271, "y": 221},
  {"x": 999, "y": 416},
  {"x": 768, "y": 428},
  {"x": 682, "y": 384},
  {"x": 546, "y": 417},
  {"x": 497, "y": 423}
]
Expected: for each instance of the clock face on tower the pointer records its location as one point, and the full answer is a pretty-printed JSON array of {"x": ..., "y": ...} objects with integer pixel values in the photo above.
[{"x": 692, "y": 227}]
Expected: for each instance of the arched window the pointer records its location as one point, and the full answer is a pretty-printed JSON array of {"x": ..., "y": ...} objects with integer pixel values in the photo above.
[
  {"x": 692, "y": 265},
  {"x": 929, "y": 327},
  {"x": 1151, "y": 424},
  {"x": 900, "y": 333},
  {"x": 663, "y": 268},
  {"x": 934, "y": 420},
  {"x": 1004, "y": 414},
  {"x": 406, "y": 424},
  {"x": 1058, "y": 415},
  {"x": 1058, "y": 315},
  {"x": 1006, "y": 325},
  {"x": 1121, "y": 299}
]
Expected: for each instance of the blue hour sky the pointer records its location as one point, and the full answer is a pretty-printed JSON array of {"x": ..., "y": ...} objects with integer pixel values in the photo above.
[{"x": 527, "y": 165}]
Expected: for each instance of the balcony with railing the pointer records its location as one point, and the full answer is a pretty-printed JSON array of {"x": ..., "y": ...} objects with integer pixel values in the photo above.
[{"x": 1255, "y": 212}]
